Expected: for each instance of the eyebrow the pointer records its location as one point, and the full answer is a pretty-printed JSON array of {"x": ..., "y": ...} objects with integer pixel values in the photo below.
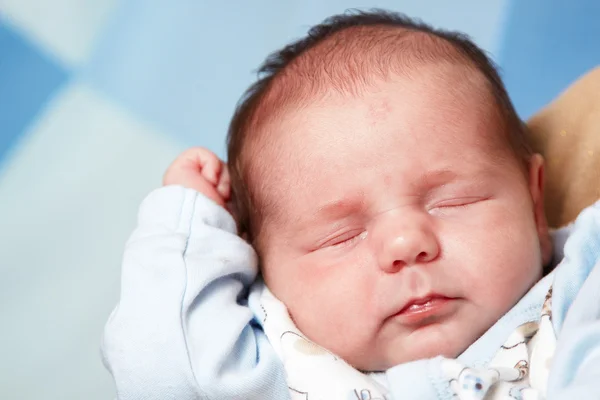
[
  {"x": 339, "y": 208},
  {"x": 436, "y": 178}
]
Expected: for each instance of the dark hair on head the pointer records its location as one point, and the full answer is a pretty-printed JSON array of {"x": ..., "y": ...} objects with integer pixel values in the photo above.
[{"x": 250, "y": 108}]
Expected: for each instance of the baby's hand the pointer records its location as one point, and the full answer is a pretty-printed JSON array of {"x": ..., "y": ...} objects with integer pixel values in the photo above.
[{"x": 200, "y": 169}]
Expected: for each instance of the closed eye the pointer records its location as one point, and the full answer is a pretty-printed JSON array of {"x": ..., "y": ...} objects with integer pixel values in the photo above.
[
  {"x": 458, "y": 203},
  {"x": 345, "y": 239}
]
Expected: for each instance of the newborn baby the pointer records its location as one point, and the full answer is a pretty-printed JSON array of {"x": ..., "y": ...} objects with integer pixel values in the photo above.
[
  {"x": 386, "y": 186},
  {"x": 381, "y": 175}
]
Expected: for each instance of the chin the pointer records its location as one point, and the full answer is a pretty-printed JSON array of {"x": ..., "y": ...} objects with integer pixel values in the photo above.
[{"x": 429, "y": 345}]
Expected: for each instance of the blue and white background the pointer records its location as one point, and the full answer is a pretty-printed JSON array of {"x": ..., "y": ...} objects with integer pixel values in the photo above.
[{"x": 98, "y": 96}]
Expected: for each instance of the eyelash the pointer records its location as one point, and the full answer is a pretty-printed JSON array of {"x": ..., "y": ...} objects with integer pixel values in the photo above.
[
  {"x": 459, "y": 203},
  {"x": 348, "y": 241}
]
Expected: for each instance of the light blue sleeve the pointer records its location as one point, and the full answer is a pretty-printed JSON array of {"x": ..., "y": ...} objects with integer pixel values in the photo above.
[
  {"x": 182, "y": 329},
  {"x": 575, "y": 370}
]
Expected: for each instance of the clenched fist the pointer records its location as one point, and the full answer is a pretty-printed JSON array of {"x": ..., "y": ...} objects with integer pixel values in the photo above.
[{"x": 200, "y": 169}]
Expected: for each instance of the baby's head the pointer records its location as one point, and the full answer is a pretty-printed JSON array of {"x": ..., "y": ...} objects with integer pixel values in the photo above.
[{"x": 381, "y": 172}]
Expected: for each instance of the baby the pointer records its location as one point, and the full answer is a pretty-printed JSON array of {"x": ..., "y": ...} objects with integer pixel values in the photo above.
[{"x": 380, "y": 173}]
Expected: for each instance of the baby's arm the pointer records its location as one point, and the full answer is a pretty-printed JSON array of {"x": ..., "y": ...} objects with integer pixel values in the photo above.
[{"x": 181, "y": 329}]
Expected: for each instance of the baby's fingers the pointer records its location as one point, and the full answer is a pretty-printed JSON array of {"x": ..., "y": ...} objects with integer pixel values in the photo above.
[
  {"x": 206, "y": 162},
  {"x": 224, "y": 185},
  {"x": 200, "y": 161}
]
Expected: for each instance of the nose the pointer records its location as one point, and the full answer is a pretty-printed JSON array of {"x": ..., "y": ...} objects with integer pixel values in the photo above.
[{"x": 406, "y": 241}]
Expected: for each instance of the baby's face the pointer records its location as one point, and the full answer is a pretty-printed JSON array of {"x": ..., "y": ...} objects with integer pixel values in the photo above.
[{"x": 400, "y": 226}]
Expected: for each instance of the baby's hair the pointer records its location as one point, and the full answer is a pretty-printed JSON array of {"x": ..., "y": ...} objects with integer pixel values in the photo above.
[{"x": 345, "y": 53}]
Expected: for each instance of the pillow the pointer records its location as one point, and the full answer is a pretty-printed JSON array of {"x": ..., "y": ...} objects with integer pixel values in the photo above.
[{"x": 567, "y": 133}]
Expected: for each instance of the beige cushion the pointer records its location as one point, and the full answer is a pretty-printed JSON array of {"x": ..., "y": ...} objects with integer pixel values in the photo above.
[{"x": 567, "y": 134}]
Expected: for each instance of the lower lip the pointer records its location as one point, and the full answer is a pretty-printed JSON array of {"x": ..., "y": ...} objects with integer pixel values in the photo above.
[{"x": 428, "y": 312}]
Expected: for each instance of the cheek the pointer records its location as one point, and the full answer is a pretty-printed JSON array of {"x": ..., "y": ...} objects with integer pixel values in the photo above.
[
  {"x": 499, "y": 255},
  {"x": 322, "y": 285},
  {"x": 330, "y": 301}
]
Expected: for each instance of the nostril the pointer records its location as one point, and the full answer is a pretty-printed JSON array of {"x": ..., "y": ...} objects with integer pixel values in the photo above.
[
  {"x": 423, "y": 256},
  {"x": 398, "y": 264}
]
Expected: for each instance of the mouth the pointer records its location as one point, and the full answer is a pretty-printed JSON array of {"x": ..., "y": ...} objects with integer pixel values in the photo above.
[{"x": 426, "y": 309}]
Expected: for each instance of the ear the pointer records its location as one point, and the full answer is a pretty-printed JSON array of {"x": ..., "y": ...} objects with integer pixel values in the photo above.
[{"x": 536, "y": 189}]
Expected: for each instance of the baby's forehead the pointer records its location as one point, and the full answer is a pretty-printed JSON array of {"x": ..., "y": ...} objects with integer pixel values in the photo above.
[
  {"x": 453, "y": 89},
  {"x": 289, "y": 127},
  {"x": 339, "y": 130}
]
